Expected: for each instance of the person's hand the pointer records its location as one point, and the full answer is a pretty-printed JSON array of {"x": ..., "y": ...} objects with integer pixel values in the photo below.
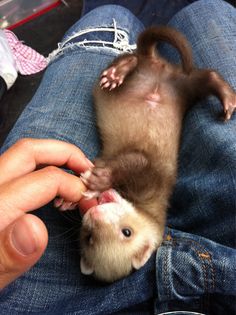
[{"x": 29, "y": 179}]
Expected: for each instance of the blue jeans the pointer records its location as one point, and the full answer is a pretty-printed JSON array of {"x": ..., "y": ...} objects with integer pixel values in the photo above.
[{"x": 193, "y": 270}]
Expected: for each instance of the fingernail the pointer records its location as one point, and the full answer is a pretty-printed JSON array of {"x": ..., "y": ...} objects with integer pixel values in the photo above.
[{"x": 22, "y": 238}]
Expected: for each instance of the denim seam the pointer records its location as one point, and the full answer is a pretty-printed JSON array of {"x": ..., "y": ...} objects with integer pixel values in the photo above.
[
  {"x": 166, "y": 282},
  {"x": 205, "y": 298}
]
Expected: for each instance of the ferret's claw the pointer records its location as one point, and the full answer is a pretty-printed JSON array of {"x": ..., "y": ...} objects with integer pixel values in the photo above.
[
  {"x": 113, "y": 85},
  {"x": 106, "y": 85},
  {"x": 85, "y": 176},
  {"x": 104, "y": 73},
  {"x": 110, "y": 79},
  {"x": 89, "y": 194},
  {"x": 228, "y": 114},
  {"x": 103, "y": 81},
  {"x": 229, "y": 104},
  {"x": 58, "y": 202},
  {"x": 64, "y": 205},
  {"x": 229, "y": 109},
  {"x": 120, "y": 82}
]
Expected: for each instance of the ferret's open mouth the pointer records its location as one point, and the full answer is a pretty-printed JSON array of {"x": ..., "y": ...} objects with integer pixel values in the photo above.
[{"x": 107, "y": 196}]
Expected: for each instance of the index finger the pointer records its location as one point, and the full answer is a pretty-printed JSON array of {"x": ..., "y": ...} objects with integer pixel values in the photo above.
[
  {"x": 26, "y": 154},
  {"x": 36, "y": 189}
]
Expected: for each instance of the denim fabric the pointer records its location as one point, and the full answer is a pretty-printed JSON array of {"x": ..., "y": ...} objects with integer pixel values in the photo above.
[
  {"x": 204, "y": 200},
  {"x": 62, "y": 107},
  {"x": 205, "y": 193},
  {"x": 191, "y": 271}
]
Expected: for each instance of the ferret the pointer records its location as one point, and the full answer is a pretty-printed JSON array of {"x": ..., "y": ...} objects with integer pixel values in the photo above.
[{"x": 140, "y": 102}]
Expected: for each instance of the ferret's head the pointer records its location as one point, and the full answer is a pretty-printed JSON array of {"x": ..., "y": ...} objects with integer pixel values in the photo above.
[{"x": 116, "y": 238}]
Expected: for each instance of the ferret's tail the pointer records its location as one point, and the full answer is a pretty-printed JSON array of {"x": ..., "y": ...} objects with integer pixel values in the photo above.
[{"x": 151, "y": 36}]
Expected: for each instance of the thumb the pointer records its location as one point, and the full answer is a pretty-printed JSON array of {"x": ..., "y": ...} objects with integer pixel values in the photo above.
[{"x": 21, "y": 245}]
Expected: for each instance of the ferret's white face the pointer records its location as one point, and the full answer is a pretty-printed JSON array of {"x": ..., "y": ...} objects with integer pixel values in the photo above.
[{"x": 116, "y": 238}]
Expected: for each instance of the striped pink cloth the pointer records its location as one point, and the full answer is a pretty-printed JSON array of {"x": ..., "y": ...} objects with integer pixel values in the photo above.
[{"x": 27, "y": 60}]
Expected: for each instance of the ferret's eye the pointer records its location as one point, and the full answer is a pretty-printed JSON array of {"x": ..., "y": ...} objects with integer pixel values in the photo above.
[{"x": 126, "y": 232}]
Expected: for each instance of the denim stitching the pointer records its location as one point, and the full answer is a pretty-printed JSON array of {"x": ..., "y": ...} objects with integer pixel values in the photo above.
[
  {"x": 208, "y": 258},
  {"x": 205, "y": 298},
  {"x": 207, "y": 262},
  {"x": 165, "y": 269}
]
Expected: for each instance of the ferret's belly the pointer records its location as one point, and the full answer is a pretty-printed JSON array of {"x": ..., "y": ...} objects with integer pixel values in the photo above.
[{"x": 145, "y": 125}]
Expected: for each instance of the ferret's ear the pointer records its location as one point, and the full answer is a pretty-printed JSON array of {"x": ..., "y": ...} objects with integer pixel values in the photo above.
[
  {"x": 85, "y": 268},
  {"x": 141, "y": 257}
]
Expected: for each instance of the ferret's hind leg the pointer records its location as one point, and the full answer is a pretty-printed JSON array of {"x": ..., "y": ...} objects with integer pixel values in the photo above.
[
  {"x": 211, "y": 82},
  {"x": 115, "y": 74},
  {"x": 224, "y": 92}
]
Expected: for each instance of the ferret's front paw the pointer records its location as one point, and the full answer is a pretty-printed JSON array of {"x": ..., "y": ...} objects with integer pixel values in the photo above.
[
  {"x": 229, "y": 104},
  {"x": 111, "y": 78},
  {"x": 98, "y": 179}
]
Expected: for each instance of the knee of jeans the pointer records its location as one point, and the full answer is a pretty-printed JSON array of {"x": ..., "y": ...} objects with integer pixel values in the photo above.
[
  {"x": 104, "y": 16},
  {"x": 202, "y": 22},
  {"x": 200, "y": 12},
  {"x": 216, "y": 6}
]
